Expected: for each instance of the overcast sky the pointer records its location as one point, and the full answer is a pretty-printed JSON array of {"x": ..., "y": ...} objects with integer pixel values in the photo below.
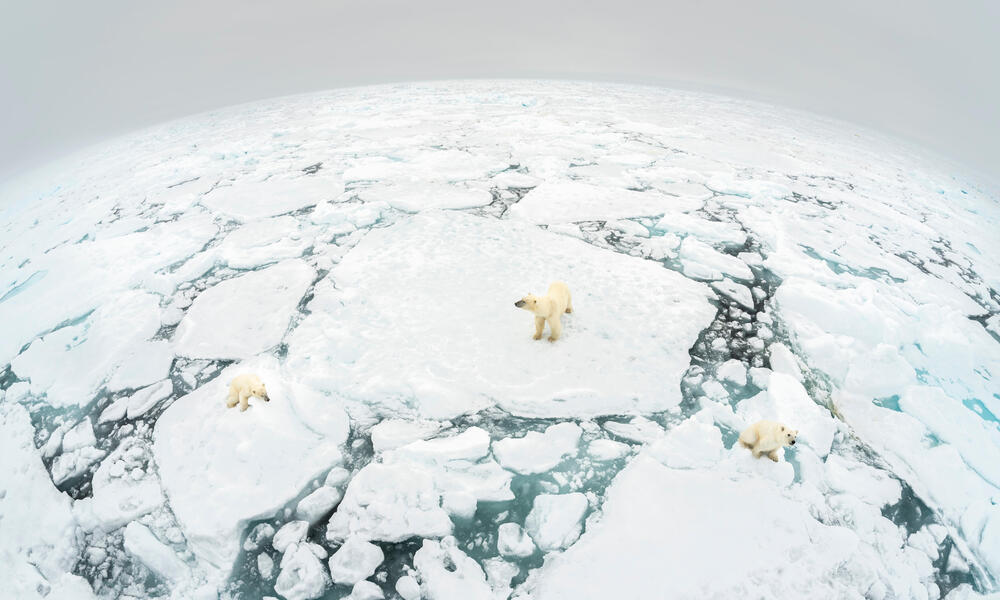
[{"x": 74, "y": 73}]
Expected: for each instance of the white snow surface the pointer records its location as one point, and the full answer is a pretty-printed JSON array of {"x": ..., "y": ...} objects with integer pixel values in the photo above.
[
  {"x": 221, "y": 467},
  {"x": 618, "y": 352},
  {"x": 131, "y": 273}
]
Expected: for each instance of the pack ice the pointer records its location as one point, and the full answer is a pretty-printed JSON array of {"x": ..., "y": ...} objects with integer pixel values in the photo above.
[{"x": 361, "y": 250}]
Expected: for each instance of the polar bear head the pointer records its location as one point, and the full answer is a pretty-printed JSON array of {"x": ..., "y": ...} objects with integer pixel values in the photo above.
[
  {"x": 260, "y": 390},
  {"x": 788, "y": 435},
  {"x": 528, "y": 303}
]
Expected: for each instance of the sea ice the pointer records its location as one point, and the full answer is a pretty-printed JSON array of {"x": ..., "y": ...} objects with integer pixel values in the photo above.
[
  {"x": 538, "y": 452},
  {"x": 354, "y": 561},
  {"x": 555, "y": 520},
  {"x": 225, "y": 321},
  {"x": 437, "y": 374},
  {"x": 157, "y": 556},
  {"x": 264, "y": 456},
  {"x": 570, "y": 202},
  {"x": 447, "y": 573}
]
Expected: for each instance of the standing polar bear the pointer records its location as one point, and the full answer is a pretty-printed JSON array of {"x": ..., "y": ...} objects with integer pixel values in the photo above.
[
  {"x": 244, "y": 386},
  {"x": 549, "y": 308},
  {"x": 766, "y": 437}
]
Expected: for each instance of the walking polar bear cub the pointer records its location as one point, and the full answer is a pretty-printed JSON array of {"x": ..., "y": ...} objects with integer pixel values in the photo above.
[
  {"x": 549, "y": 308},
  {"x": 766, "y": 437},
  {"x": 244, "y": 386}
]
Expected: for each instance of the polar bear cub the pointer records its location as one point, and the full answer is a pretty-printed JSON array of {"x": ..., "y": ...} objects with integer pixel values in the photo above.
[
  {"x": 766, "y": 437},
  {"x": 244, "y": 386},
  {"x": 549, "y": 308}
]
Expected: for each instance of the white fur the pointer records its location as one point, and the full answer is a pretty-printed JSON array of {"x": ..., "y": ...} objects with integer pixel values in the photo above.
[
  {"x": 767, "y": 437},
  {"x": 548, "y": 308}
]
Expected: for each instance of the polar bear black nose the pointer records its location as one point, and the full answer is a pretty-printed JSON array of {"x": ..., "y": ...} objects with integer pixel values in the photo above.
[
  {"x": 519, "y": 303},
  {"x": 793, "y": 442}
]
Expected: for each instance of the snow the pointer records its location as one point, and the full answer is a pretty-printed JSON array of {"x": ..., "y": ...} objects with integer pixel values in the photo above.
[
  {"x": 871, "y": 297},
  {"x": 154, "y": 554},
  {"x": 414, "y": 198},
  {"x": 288, "y": 534},
  {"x": 733, "y": 371},
  {"x": 440, "y": 375},
  {"x": 366, "y": 590},
  {"x": 538, "y": 452},
  {"x": 244, "y": 316},
  {"x": 447, "y": 573},
  {"x": 765, "y": 540},
  {"x": 393, "y": 433},
  {"x": 513, "y": 541},
  {"x": 38, "y": 539},
  {"x": 354, "y": 561},
  {"x": 555, "y": 520},
  {"x": 317, "y": 504},
  {"x": 221, "y": 468},
  {"x": 570, "y": 202},
  {"x": 302, "y": 575},
  {"x": 249, "y": 200},
  {"x": 701, "y": 261},
  {"x": 416, "y": 489},
  {"x": 603, "y": 450},
  {"x": 105, "y": 343}
]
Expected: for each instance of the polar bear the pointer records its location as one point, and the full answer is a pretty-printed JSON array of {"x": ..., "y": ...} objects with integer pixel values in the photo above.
[
  {"x": 244, "y": 386},
  {"x": 766, "y": 437},
  {"x": 549, "y": 308}
]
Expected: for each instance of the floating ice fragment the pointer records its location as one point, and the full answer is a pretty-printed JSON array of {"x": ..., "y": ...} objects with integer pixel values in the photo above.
[
  {"x": 555, "y": 520},
  {"x": 354, "y": 561}
]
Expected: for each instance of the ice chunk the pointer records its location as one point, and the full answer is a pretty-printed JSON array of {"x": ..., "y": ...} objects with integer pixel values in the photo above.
[
  {"x": 513, "y": 541},
  {"x": 767, "y": 542},
  {"x": 71, "y": 464},
  {"x": 157, "y": 556},
  {"x": 225, "y": 320},
  {"x": 570, "y": 202},
  {"x": 415, "y": 197},
  {"x": 265, "y": 566},
  {"x": 390, "y": 503},
  {"x": 783, "y": 361},
  {"x": 471, "y": 444},
  {"x": 318, "y": 504},
  {"x": 447, "y": 573},
  {"x": 88, "y": 353},
  {"x": 247, "y": 200},
  {"x": 290, "y": 533},
  {"x": 302, "y": 576},
  {"x": 499, "y": 574},
  {"x": 366, "y": 590},
  {"x": 605, "y": 450},
  {"x": 393, "y": 433},
  {"x": 38, "y": 535},
  {"x": 336, "y": 477},
  {"x": 538, "y": 452},
  {"x": 639, "y": 429},
  {"x": 733, "y": 371},
  {"x": 265, "y": 456},
  {"x": 735, "y": 292},
  {"x": 141, "y": 401},
  {"x": 354, "y": 561},
  {"x": 555, "y": 520},
  {"x": 703, "y": 262},
  {"x": 79, "y": 436},
  {"x": 117, "y": 497},
  {"x": 408, "y": 588},
  {"x": 264, "y": 242},
  {"x": 690, "y": 445},
  {"x": 712, "y": 232},
  {"x": 441, "y": 375}
]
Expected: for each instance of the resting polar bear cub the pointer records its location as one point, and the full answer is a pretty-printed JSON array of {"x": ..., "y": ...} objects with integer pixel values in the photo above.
[
  {"x": 766, "y": 437},
  {"x": 549, "y": 308},
  {"x": 244, "y": 386}
]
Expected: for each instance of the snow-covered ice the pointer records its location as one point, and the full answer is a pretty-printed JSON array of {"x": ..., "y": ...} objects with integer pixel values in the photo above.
[{"x": 362, "y": 249}]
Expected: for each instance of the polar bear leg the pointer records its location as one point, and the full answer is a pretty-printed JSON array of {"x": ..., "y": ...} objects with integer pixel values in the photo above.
[
  {"x": 756, "y": 452},
  {"x": 233, "y": 399},
  {"x": 773, "y": 455},
  {"x": 556, "y": 328},
  {"x": 539, "y": 327},
  {"x": 244, "y": 401},
  {"x": 569, "y": 305}
]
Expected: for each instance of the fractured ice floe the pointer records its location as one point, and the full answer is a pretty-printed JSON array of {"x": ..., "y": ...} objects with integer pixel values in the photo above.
[{"x": 361, "y": 250}]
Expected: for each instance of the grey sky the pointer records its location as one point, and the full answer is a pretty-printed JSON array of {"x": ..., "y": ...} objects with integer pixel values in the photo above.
[{"x": 74, "y": 73}]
